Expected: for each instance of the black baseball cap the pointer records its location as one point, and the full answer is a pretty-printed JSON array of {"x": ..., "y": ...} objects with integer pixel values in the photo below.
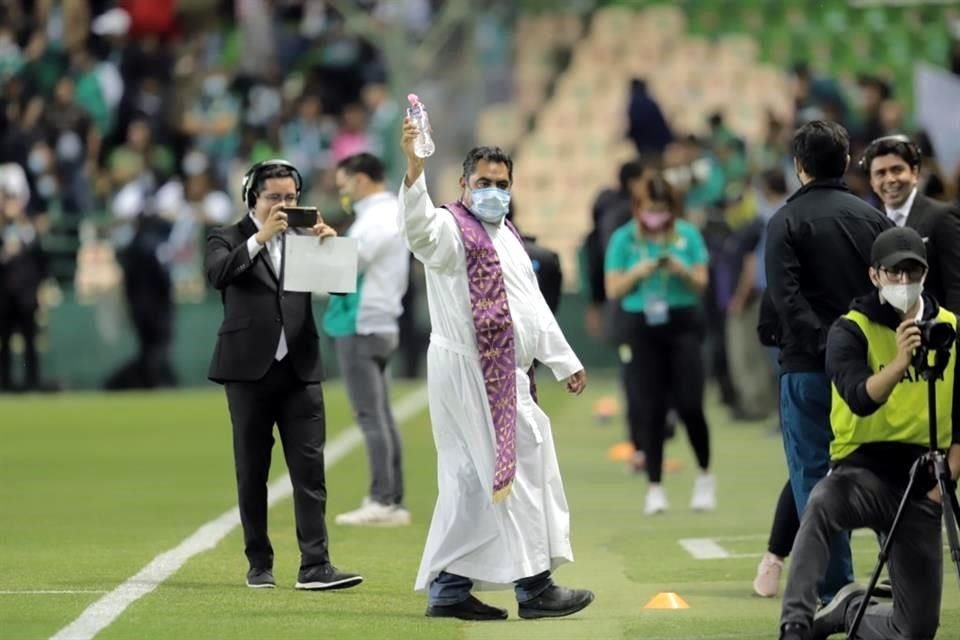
[{"x": 897, "y": 245}]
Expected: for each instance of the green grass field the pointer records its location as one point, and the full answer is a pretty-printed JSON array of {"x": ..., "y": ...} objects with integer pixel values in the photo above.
[{"x": 93, "y": 487}]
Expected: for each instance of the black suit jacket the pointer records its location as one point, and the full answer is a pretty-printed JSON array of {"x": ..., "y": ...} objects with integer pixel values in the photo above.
[
  {"x": 254, "y": 311},
  {"x": 939, "y": 224},
  {"x": 546, "y": 265}
]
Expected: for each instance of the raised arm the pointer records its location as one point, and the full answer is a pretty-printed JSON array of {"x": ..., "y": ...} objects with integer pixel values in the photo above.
[{"x": 430, "y": 233}]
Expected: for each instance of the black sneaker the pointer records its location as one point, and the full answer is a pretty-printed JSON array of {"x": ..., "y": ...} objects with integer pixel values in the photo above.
[
  {"x": 260, "y": 579},
  {"x": 556, "y": 602},
  {"x": 884, "y": 589},
  {"x": 326, "y": 577},
  {"x": 469, "y": 609},
  {"x": 793, "y": 631},
  {"x": 832, "y": 618}
]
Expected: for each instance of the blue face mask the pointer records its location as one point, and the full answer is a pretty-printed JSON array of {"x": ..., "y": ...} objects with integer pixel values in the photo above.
[{"x": 490, "y": 204}]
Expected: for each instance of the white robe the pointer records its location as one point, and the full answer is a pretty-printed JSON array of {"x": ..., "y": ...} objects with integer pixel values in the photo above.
[{"x": 527, "y": 533}]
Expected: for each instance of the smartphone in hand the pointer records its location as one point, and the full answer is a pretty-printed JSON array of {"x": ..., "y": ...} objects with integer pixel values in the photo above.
[{"x": 301, "y": 216}]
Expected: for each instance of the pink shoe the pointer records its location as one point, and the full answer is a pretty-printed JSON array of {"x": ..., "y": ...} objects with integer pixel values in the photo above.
[{"x": 767, "y": 582}]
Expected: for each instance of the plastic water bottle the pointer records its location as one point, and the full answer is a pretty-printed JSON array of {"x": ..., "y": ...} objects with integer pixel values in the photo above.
[{"x": 423, "y": 146}]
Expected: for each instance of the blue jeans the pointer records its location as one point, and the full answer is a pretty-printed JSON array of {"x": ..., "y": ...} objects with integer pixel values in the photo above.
[
  {"x": 449, "y": 588},
  {"x": 805, "y": 420}
]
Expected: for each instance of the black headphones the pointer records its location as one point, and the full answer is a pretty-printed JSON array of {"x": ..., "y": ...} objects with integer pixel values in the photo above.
[
  {"x": 912, "y": 155},
  {"x": 253, "y": 174}
]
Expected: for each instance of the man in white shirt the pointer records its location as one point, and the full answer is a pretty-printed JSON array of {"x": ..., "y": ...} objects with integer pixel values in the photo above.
[
  {"x": 501, "y": 518},
  {"x": 365, "y": 332}
]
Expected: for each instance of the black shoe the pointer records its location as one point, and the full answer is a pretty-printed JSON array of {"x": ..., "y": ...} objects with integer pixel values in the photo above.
[
  {"x": 793, "y": 631},
  {"x": 260, "y": 579},
  {"x": 325, "y": 577},
  {"x": 469, "y": 609},
  {"x": 833, "y": 617},
  {"x": 556, "y": 602},
  {"x": 884, "y": 590}
]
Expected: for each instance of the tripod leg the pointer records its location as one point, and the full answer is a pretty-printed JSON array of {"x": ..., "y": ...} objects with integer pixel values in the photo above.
[
  {"x": 948, "y": 500},
  {"x": 883, "y": 555}
]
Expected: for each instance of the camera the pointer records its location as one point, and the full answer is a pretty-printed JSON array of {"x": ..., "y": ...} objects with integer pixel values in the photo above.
[
  {"x": 300, "y": 216},
  {"x": 936, "y": 335}
]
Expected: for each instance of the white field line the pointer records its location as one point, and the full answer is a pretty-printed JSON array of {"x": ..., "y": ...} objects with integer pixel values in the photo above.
[
  {"x": 46, "y": 592},
  {"x": 704, "y": 548},
  {"x": 104, "y": 611},
  {"x": 712, "y": 549}
]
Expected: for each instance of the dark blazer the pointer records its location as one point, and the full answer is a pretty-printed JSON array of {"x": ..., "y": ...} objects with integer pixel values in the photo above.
[
  {"x": 254, "y": 312},
  {"x": 939, "y": 224},
  {"x": 546, "y": 266}
]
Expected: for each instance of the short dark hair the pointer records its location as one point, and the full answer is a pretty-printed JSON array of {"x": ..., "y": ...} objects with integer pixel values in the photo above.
[
  {"x": 365, "y": 163},
  {"x": 490, "y": 154},
  {"x": 273, "y": 171},
  {"x": 897, "y": 145},
  {"x": 773, "y": 180},
  {"x": 821, "y": 148},
  {"x": 630, "y": 171}
]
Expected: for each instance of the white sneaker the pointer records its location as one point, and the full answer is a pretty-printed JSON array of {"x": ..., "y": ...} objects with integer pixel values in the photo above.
[
  {"x": 704, "y": 496},
  {"x": 656, "y": 501},
  {"x": 374, "y": 514},
  {"x": 767, "y": 582}
]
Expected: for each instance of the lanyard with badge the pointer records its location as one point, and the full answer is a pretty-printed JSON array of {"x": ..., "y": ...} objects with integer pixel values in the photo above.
[{"x": 655, "y": 307}]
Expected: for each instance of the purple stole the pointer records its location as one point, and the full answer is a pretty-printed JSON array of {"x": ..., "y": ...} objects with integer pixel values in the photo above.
[{"x": 493, "y": 327}]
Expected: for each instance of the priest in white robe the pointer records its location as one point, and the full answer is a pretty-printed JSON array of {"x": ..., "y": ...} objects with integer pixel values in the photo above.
[{"x": 501, "y": 518}]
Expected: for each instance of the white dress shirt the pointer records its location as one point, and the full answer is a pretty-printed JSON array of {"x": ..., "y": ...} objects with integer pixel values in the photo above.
[
  {"x": 900, "y": 214},
  {"x": 383, "y": 260},
  {"x": 273, "y": 250}
]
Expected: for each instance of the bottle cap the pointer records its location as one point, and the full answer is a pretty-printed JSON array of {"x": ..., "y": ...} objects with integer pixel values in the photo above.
[{"x": 412, "y": 98}]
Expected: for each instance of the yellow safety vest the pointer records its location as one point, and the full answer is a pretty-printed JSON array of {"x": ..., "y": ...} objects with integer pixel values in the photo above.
[{"x": 903, "y": 417}]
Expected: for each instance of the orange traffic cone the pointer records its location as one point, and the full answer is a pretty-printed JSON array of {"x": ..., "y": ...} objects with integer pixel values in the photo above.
[{"x": 667, "y": 600}]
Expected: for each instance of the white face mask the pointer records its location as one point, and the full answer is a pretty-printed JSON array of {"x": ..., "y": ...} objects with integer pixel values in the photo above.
[{"x": 901, "y": 296}]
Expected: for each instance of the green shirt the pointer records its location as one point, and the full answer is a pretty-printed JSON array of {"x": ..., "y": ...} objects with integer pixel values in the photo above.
[
  {"x": 340, "y": 318},
  {"x": 627, "y": 248}
]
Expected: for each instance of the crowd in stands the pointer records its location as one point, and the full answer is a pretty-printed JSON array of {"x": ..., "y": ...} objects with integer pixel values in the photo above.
[{"x": 115, "y": 112}]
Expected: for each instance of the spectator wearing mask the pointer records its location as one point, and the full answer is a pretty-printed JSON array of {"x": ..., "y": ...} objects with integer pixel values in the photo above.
[
  {"x": 365, "y": 332},
  {"x": 880, "y": 430},
  {"x": 611, "y": 210},
  {"x": 656, "y": 267},
  {"x": 817, "y": 260},
  {"x": 22, "y": 269}
]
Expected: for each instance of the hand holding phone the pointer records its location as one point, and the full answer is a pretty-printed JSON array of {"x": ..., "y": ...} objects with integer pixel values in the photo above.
[{"x": 301, "y": 217}]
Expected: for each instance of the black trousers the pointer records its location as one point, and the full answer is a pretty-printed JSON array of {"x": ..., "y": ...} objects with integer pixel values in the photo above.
[
  {"x": 852, "y": 498},
  {"x": 666, "y": 367},
  {"x": 786, "y": 522},
  {"x": 18, "y": 317},
  {"x": 297, "y": 409}
]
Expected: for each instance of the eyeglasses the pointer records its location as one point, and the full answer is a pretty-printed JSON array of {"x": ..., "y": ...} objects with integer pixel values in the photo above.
[
  {"x": 913, "y": 273},
  {"x": 274, "y": 198}
]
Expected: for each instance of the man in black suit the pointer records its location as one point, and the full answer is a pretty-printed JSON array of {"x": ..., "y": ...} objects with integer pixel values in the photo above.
[
  {"x": 546, "y": 266},
  {"x": 893, "y": 165},
  {"x": 23, "y": 267},
  {"x": 268, "y": 357}
]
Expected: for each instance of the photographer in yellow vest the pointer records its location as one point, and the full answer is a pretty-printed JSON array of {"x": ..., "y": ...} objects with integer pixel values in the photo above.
[{"x": 879, "y": 414}]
